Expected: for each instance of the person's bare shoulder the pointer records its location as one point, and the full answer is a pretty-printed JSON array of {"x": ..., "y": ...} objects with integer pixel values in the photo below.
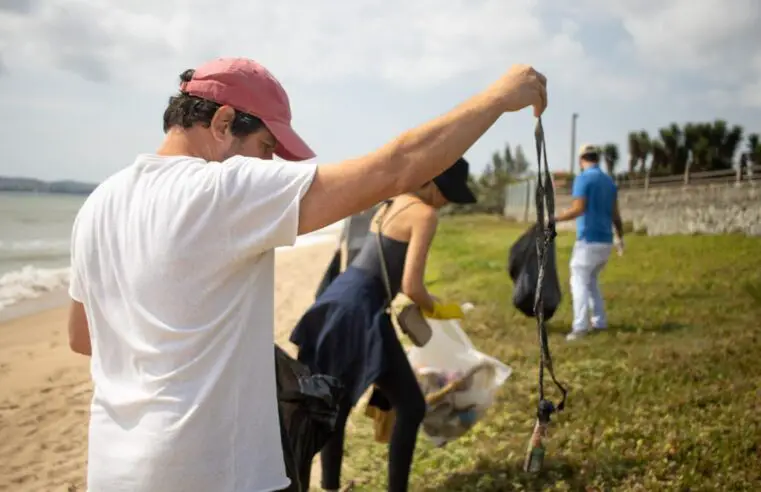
[{"x": 424, "y": 216}]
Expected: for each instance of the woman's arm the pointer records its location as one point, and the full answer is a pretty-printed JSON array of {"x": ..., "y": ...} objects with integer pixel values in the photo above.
[{"x": 424, "y": 226}]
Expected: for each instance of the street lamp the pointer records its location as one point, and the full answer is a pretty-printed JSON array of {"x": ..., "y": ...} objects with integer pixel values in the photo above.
[{"x": 573, "y": 142}]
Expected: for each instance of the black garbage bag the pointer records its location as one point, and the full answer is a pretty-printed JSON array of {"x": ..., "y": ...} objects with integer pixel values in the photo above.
[
  {"x": 308, "y": 405},
  {"x": 523, "y": 268}
]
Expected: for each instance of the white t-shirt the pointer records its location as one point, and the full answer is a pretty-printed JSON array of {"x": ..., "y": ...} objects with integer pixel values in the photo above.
[{"x": 173, "y": 259}]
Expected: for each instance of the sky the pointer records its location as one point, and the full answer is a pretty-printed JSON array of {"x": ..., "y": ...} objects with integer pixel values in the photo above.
[{"x": 84, "y": 83}]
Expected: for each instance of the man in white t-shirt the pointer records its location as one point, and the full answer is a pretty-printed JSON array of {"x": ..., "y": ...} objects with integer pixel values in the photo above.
[{"x": 172, "y": 278}]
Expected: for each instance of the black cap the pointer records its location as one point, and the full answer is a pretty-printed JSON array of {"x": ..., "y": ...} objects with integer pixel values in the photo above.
[{"x": 453, "y": 183}]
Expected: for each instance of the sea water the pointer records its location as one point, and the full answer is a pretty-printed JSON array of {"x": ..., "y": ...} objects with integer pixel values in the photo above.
[{"x": 35, "y": 235}]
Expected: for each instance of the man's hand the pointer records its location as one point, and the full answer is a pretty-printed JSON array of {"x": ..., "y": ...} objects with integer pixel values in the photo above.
[
  {"x": 619, "y": 243},
  {"x": 520, "y": 87}
]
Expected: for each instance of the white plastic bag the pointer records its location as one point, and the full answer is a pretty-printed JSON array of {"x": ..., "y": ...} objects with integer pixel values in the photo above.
[{"x": 447, "y": 356}]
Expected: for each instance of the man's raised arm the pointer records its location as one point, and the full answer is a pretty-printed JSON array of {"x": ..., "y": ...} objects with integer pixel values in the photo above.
[{"x": 417, "y": 155}]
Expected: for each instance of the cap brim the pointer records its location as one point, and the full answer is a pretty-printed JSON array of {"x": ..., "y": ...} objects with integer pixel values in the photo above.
[
  {"x": 461, "y": 195},
  {"x": 289, "y": 145}
]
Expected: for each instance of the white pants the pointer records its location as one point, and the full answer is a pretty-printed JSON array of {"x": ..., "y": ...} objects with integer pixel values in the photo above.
[{"x": 587, "y": 261}]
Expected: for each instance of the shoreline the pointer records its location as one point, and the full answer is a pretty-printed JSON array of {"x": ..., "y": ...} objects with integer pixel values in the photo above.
[
  {"x": 48, "y": 301},
  {"x": 58, "y": 297},
  {"x": 45, "y": 389}
]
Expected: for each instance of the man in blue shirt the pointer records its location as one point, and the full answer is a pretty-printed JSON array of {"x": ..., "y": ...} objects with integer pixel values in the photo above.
[{"x": 595, "y": 208}]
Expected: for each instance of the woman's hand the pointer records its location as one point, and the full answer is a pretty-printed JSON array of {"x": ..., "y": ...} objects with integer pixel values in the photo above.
[{"x": 450, "y": 310}]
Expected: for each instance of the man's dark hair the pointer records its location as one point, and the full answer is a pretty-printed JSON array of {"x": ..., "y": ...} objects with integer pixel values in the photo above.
[
  {"x": 185, "y": 110},
  {"x": 591, "y": 157}
]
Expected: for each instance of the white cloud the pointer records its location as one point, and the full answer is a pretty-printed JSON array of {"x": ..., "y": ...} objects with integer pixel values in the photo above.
[
  {"x": 97, "y": 40},
  {"x": 712, "y": 40},
  {"x": 622, "y": 63},
  {"x": 687, "y": 34},
  {"x": 409, "y": 44}
]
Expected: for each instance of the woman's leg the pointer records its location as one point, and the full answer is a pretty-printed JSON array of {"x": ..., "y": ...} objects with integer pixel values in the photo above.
[
  {"x": 332, "y": 453},
  {"x": 399, "y": 385}
]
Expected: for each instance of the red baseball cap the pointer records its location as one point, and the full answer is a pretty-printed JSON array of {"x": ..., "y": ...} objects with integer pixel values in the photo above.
[{"x": 247, "y": 86}]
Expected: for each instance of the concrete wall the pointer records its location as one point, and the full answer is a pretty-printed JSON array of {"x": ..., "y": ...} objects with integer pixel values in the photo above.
[{"x": 694, "y": 209}]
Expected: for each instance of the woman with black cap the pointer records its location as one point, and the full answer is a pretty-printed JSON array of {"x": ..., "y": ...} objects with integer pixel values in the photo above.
[{"x": 348, "y": 334}]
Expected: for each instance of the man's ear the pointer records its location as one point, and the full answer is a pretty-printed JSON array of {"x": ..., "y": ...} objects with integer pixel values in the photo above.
[{"x": 221, "y": 123}]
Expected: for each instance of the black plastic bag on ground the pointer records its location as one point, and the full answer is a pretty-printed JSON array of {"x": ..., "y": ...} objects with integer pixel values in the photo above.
[
  {"x": 523, "y": 267},
  {"x": 308, "y": 405}
]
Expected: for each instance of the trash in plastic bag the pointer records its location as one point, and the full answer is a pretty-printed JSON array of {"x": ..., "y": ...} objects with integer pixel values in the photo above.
[
  {"x": 523, "y": 267},
  {"x": 308, "y": 405},
  {"x": 458, "y": 381}
]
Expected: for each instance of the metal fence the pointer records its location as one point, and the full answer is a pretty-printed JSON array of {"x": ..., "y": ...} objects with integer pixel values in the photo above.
[
  {"x": 725, "y": 176},
  {"x": 519, "y": 197},
  {"x": 519, "y": 200}
]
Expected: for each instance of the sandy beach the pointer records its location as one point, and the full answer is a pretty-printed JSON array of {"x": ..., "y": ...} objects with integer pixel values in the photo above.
[{"x": 45, "y": 388}]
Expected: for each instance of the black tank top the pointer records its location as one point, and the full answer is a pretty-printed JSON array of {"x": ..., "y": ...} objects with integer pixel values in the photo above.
[{"x": 395, "y": 252}]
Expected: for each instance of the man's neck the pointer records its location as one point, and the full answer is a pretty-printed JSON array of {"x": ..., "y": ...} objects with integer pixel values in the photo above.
[
  {"x": 178, "y": 142},
  {"x": 588, "y": 166}
]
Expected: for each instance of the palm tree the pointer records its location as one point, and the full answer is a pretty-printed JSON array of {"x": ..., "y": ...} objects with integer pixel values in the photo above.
[
  {"x": 730, "y": 146},
  {"x": 691, "y": 136},
  {"x": 610, "y": 153},
  {"x": 697, "y": 146},
  {"x": 752, "y": 156},
  {"x": 754, "y": 149},
  {"x": 675, "y": 159},
  {"x": 660, "y": 163},
  {"x": 519, "y": 162},
  {"x": 723, "y": 143},
  {"x": 635, "y": 152},
  {"x": 701, "y": 154},
  {"x": 644, "y": 149}
]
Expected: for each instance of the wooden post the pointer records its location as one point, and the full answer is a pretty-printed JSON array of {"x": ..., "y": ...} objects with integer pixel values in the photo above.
[
  {"x": 739, "y": 173},
  {"x": 506, "y": 203}
]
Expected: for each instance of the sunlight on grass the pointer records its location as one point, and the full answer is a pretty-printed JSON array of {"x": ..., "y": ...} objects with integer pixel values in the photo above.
[{"x": 667, "y": 399}]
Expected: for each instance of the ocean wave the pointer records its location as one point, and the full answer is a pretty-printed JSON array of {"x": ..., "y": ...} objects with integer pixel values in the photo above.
[
  {"x": 31, "y": 282},
  {"x": 35, "y": 244},
  {"x": 23, "y": 251}
]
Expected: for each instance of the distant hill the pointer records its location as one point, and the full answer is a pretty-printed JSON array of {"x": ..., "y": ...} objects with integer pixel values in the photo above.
[{"x": 30, "y": 185}]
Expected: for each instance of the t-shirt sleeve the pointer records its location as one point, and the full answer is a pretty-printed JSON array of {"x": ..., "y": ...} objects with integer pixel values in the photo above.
[
  {"x": 580, "y": 185},
  {"x": 256, "y": 203},
  {"x": 76, "y": 287},
  {"x": 76, "y": 290}
]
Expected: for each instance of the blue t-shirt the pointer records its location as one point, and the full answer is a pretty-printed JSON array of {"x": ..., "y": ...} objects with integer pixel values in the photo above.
[{"x": 599, "y": 191}]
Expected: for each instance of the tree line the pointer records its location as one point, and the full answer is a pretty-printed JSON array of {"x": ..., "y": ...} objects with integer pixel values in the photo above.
[
  {"x": 704, "y": 146},
  {"x": 506, "y": 166}
]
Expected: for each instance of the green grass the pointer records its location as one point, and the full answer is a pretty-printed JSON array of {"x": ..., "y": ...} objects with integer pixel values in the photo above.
[{"x": 668, "y": 399}]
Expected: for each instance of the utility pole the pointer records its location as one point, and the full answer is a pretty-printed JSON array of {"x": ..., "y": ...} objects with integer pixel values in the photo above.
[{"x": 573, "y": 142}]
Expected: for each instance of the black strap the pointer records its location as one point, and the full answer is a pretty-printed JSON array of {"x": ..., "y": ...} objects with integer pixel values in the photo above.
[
  {"x": 545, "y": 201},
  {"x": 384, "y": 266}
]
